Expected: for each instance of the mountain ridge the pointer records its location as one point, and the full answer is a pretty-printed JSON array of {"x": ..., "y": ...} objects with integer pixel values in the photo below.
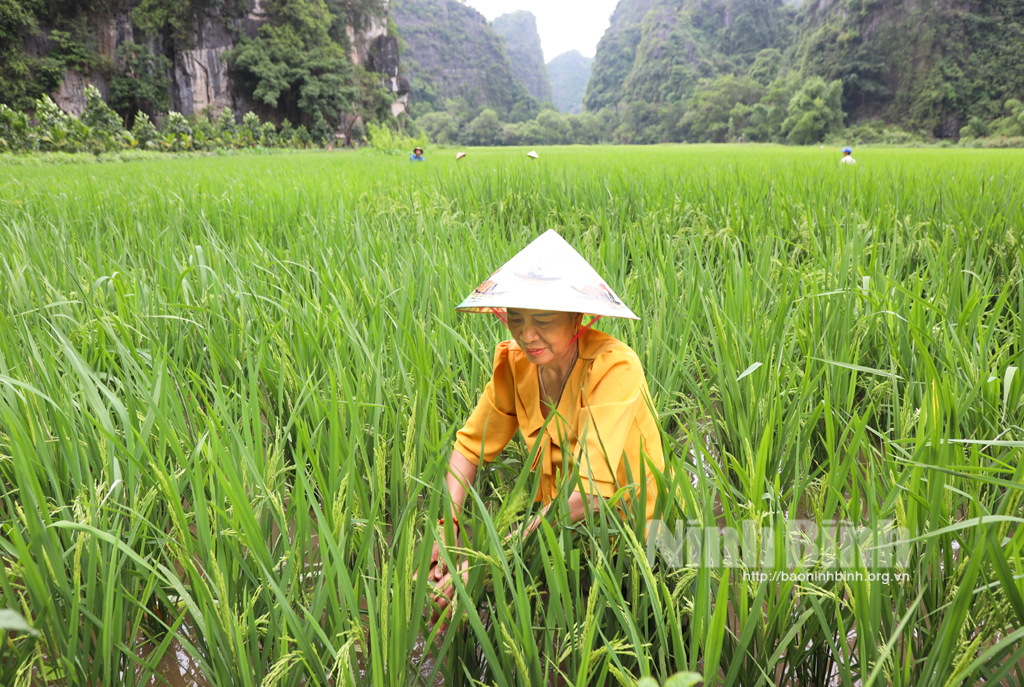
[
  {"x": 523, "y": 47},
  {"x": 569, "y": 73}
]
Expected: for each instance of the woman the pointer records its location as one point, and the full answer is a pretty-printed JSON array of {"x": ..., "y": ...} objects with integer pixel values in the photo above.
[{"x": 578, "y": 396}]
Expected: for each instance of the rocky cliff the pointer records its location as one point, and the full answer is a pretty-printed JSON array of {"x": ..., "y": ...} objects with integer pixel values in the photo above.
[
  {"x": 929, "y": 66},
  {"x": 452, "y": 53},
  {"x": 194, "y": 35},
  {"x": 569, "y": 74},
  {"x": 657, "y": 50},
  {"x": 522, "y": 45}
]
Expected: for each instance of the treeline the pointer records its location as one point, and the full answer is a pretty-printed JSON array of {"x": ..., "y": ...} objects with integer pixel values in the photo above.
[
  {"x": 100, "y": 130},
  {"x": 725, "y": 109}
]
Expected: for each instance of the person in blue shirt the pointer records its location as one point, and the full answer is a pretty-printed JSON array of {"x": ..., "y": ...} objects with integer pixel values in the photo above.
[{"x": 417, "y": 155}]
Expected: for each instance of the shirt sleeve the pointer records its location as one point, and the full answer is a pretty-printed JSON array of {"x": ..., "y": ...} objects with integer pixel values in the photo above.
[
  {"x": 493, "y": 423},
  {"x": 611, "y": 399}
]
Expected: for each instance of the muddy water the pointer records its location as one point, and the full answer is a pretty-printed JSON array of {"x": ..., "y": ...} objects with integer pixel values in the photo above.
[{"x": 175, "y": 668}]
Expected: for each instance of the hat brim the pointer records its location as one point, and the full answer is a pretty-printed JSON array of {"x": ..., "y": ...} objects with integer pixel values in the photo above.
[{"x": 547, "y": 275}]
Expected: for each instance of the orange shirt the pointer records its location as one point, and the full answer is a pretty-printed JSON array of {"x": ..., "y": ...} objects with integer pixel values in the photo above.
[{"x": 604, "y": 421}]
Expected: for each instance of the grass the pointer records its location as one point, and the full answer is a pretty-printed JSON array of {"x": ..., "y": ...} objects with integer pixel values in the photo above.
[{"x": 228, "y": 390}]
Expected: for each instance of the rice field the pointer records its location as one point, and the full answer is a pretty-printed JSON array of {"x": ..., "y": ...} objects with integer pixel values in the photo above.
[{"x": 229, "y": 388}]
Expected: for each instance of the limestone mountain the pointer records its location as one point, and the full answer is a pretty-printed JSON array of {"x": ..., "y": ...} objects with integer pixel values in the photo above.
[
  {"x": 616, "y": 54},
  {"x": 929, "y": 66},
  {"x": 522, "y": 45},
  {"x": 657, "y": 50},
  {"x": 452, "y": 53},
  {"x": 569, "y": 73},
  {"x": 311, "y": 61}
]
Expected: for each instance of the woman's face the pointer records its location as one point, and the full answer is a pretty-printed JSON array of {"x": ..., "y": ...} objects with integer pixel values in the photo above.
[{"x": 544, "y": 335}]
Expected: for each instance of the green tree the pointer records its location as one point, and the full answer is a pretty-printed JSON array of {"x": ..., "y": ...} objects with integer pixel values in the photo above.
[
  {"x": 766, "y": 67},
  {"x": 485, "y": 129},
  {"x": 1012, "y": 123},
  {"x": 815, "y": 110},
  {"x": 586, "y": 128},
  {"x": 175, "y": 19},
  {"x": 556, "y": 127},
  {"x": 295, "y": 66},
  {"x": 142, "y": 83},
  {"x": 98, "y": 117},
  {"x": 712, "y": 107},
  {"x": 639, "y": 123},
  {"x": 441, "y": 127}
]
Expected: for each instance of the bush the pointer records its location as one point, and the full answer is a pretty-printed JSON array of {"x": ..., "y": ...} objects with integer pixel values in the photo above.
[
  {"x": 251, "y": 128},
  {"x": 440, "y": 127},
  {"x": 16, "y": 133},
  {"x": 142, "y": 84},
  {"x": 484, "y": 130},
  {"x": 143, "y": 131},
  {"x": 387, "y": 140},
  {"x": 177, "y": 132},
  {"x": 226, "y": 124},
  {"x": 815, "y": 111}
]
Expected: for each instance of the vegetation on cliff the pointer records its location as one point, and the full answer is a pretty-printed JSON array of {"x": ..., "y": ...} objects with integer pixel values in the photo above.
[
  {"x": 453, "y": 54},
  {"x": 930, "y": 69},
  {"x": 298, "y": 64},
  {"x": 569, "y": 74},
  {"x": 292, "y": 60},
  {"x": 929, "y": 66},
  {"x": 25, "y": 75},
  {"x": 522, "y": 45}
]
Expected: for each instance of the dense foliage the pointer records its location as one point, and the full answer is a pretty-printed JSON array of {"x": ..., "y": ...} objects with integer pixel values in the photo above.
[
  {"x": 522, "y": 45},
  {"x": 100, "y": 130},
  {"x": 924, "y": 67},
  {"x": 724, "y": 109},
  {"x": 456, "y": 124},
  {"x": 298, "y": 64},
  {"x": 141, "y": 84},
  {"x": 62, "y": 28},
  {"x": 569, "y": 74},
  {"x": 452, "y": 53}
]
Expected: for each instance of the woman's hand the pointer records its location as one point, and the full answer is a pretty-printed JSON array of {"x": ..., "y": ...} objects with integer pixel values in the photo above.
[
  {"x": 444, "y": 596},
  {"x": 438, "y": 569}
]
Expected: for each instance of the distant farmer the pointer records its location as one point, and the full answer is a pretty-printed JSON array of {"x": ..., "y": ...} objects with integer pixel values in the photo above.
[
  {"x": 590, "y": 385},
  {"x": 848, "y": 156},
  {"x": 417, "y": 155}
]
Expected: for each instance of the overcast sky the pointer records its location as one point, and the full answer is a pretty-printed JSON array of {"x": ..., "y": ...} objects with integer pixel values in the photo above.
[{"x": 563, "y": 25}]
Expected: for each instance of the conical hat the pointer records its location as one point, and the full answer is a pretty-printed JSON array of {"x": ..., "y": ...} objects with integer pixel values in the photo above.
[
  {"x": 459, "y": 156},
  {"x": 547, "y": 275},
  {"x": 533, "y": 154}
]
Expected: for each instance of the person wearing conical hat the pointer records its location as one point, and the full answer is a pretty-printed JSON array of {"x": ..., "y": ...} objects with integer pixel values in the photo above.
[{"x": 578, "y": 396}]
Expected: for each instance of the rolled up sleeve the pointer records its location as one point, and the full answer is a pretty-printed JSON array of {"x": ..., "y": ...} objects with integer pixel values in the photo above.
[
  {"x": 493, "y": 423},
  {"x": 611, "y": 399}
]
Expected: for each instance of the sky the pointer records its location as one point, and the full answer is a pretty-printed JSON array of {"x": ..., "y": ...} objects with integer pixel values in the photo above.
[{"x": 563, "y": 25}]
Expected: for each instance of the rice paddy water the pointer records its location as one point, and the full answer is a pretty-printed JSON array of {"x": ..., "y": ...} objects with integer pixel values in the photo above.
[{"x": 229, "y": 388}]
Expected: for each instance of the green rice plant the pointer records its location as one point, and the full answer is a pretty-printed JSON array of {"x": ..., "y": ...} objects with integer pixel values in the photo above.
[{"x": 228, "y": 390}]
